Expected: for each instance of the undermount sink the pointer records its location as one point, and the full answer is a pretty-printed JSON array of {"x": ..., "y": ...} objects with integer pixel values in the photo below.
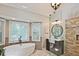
[{"x": 58, "y": 39}]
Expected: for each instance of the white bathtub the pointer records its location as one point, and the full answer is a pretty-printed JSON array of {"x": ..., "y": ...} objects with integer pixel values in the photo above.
[{"x": 20, "y": 50}]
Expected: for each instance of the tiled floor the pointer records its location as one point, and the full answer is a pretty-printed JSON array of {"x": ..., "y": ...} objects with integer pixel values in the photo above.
[{"x": 42, "y": 53}]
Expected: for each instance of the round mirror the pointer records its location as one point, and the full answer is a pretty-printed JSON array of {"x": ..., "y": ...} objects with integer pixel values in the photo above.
[{"x": 57, "y": 30}]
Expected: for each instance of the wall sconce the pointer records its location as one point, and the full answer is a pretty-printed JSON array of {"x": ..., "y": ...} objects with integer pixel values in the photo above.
[{"x": 56, "y": 22}]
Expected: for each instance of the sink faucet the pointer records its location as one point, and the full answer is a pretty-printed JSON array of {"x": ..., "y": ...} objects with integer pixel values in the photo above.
[{"x": 20, "y": 41}]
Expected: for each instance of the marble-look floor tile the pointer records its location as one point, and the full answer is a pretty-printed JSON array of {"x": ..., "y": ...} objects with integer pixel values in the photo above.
[{"x": 42, "y": 53}]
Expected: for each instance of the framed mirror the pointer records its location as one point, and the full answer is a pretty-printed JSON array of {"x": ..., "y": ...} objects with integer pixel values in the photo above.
[{"x": 57, "y": 30}]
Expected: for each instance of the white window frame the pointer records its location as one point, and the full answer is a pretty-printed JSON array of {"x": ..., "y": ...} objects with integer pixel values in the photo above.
[
  {"x": 10, "y": 30},
  {"x": 40, "y": 37},
  {"x": 3, "y": 33}
]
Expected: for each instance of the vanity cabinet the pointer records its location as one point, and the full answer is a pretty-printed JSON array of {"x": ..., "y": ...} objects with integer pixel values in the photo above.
[
  {"x": 57, "y": 48},
  {"x": 47, "y": 45}
]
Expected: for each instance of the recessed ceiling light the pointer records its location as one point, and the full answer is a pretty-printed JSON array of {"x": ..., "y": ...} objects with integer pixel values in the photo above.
[
  {"x": 24, "y": 6},
  {"x": 13, "y": 18}
]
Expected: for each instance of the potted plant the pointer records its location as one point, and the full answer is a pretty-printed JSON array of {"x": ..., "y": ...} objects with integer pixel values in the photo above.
[{"x": 1, "y": 51}]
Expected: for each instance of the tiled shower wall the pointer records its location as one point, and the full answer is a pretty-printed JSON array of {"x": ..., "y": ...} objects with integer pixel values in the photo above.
[{"x": 71, "y": 44}]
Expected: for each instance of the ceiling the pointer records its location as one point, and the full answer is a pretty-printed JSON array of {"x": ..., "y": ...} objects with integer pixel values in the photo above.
[
  {"x": 65, "y": 11},
  {"x": 43, "y": 9}
]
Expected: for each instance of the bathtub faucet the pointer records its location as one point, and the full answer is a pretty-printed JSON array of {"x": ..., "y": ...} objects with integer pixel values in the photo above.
[{"x": 20, "y": 41}]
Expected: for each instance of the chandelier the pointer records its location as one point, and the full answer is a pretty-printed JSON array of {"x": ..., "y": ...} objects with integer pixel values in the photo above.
[{"x": 55, "y": 6}]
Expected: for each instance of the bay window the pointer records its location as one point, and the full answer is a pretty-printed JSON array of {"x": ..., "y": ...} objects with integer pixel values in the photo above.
[
  {"x": 36, "y": 31},
  {"x": 1, "y": 32},
  {"x": 19, "y": 30},
  {"x": 22, "y": 29}
]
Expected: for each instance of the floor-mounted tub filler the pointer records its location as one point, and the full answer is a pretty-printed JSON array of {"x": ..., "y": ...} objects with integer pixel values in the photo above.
[{"x": 24, "y": 49}]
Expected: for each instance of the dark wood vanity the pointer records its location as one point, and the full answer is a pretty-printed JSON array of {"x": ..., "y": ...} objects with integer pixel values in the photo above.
[{"x": 56, "y": 48}]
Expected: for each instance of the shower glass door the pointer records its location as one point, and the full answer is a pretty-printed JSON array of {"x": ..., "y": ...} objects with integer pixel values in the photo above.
[{"x": 36, "y": 31}]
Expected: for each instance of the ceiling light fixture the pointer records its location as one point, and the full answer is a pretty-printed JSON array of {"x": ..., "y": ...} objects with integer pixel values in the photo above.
[{"x": 55, "y": 6}]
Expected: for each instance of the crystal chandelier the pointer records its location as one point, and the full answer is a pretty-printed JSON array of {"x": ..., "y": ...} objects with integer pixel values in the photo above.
[{"x": 55, "y": 6}]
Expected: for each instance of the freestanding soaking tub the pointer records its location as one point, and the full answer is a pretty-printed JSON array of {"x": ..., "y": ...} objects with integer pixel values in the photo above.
[{"x": 25, "y": 49}]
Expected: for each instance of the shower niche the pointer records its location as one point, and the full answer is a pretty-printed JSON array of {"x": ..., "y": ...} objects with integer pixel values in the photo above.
[{"x": 77, "y": 37}]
